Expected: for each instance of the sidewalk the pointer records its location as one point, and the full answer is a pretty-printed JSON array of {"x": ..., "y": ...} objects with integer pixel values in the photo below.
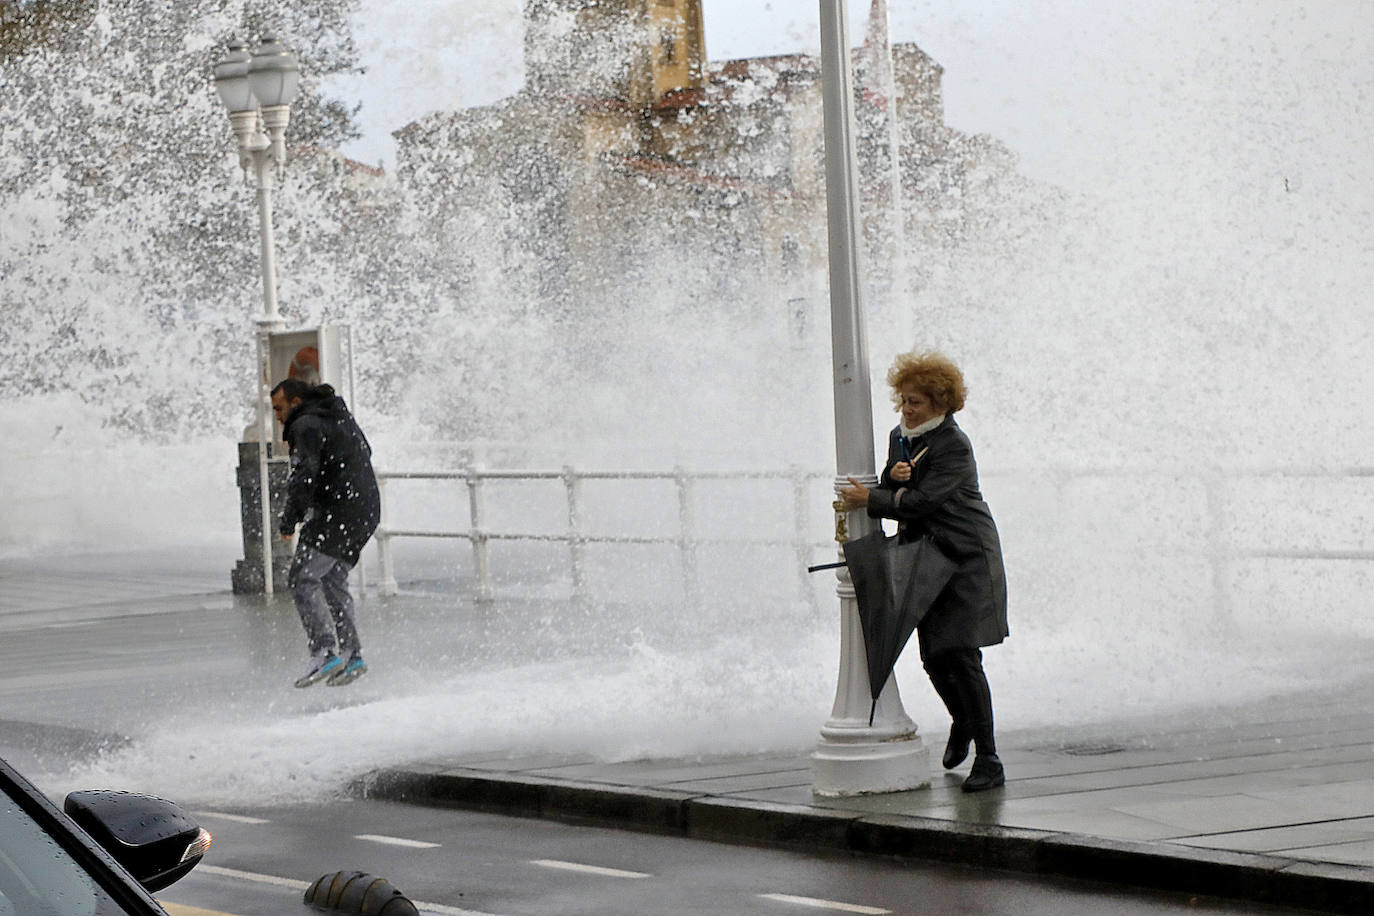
[
  {"x": 1276, "y": 805},
  {"x": 1279, "y": 812}
]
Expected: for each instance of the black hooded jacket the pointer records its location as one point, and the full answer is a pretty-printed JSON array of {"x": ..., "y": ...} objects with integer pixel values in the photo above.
[{"x": 332, "y": 486}]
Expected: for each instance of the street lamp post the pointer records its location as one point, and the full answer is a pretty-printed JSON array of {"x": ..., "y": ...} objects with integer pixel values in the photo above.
[
  {"x": 853, "y": 756},
  {"x": 258, "y": 90}
]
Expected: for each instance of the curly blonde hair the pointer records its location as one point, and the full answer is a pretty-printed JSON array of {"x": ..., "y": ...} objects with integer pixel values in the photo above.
[{"x": 933, "y": 374}]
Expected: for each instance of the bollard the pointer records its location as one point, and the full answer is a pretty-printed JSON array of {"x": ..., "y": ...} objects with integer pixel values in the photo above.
[{"x": 358, "y": 892}]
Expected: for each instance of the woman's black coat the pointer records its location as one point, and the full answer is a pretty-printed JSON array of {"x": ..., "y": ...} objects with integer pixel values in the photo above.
[{"x": 942, "y": 500}]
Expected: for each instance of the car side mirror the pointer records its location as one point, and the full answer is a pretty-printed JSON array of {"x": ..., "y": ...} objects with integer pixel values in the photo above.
[{"x": 151, "y": 837}]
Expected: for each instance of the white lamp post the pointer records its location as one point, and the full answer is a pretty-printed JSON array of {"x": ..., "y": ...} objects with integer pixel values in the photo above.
[
  {"x": 258, "y": 90},
  {"x": 854, "y": 757}
]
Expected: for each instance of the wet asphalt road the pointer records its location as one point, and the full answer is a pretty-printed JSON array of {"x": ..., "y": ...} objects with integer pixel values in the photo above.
[{"x": 473, "y": 863}]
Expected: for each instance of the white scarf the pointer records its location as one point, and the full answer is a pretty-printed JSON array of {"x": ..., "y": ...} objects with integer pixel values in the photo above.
[{"x": 922, "y": 429}]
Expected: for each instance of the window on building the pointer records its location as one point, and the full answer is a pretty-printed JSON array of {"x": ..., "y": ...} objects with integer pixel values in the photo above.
[{"x": 667, "y": 46}]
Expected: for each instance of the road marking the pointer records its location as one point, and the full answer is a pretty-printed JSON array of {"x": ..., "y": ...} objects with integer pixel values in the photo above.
[
  {"x": 589, "y": 869},
  {"x": 446, "y": 910},
  {"x": 236, "y": 818},
  {"x": 176, "y": 909},
  {"x": 252, "y": 876},
  {"x": 825, "y": 904},
  {"x": 223, "y": 872},
  {"x": 396, "y": 841}
]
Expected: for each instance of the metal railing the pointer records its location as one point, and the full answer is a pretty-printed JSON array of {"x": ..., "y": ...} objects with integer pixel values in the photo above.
[
  {"x": 687, "y": 539},
  {"x": 1216, "y": 517}
]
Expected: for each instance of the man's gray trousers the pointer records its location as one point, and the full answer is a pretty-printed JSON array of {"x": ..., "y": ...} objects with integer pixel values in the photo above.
[{"x": 320, "y": 585}]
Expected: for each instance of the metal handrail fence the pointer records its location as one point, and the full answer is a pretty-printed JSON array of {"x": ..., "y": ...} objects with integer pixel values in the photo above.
[
  {"x": 1218, "y": 517},
  {"x": 687, "y": 539}
]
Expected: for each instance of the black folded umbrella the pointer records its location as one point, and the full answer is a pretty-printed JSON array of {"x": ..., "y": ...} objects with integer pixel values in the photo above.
[{"x": 895, "y": 583}]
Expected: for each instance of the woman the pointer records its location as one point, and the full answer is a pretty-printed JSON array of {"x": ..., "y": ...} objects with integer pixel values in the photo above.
[{"x": 930, "y": 486}]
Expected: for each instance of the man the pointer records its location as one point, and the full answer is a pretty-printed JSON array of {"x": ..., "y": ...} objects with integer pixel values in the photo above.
[{"x": 333, "y": 490}]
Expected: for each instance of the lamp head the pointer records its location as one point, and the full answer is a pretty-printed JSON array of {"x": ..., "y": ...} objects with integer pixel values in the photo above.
[
  {"x": 231, "y": 78},
  {"x": 273, "y": 73}
]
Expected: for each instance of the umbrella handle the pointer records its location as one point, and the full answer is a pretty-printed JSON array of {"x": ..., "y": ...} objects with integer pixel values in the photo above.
[{"x": 812, "y": 569}]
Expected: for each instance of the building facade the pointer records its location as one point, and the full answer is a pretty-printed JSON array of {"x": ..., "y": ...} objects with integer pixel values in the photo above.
[{"x": 628, "y": 166}]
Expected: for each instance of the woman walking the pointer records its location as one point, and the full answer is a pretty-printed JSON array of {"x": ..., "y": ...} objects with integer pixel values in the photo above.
[{"x": 930, "y": 487}]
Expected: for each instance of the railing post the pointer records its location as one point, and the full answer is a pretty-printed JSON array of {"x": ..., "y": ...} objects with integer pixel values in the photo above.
[
  {"x": 479, "y": 535},
  {"x": 387, "y": 586},
  {"x": 576, "y": 547},
  {"x": 360, "y": 576},
  {"x": 687, "y": 539}
]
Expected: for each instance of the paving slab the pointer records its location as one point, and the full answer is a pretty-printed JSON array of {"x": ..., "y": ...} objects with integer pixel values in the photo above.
[
  {"x": 1360, "y": 853},
  {"x": 671, "y": 772},
  {"x": 1292, "y": 838}
]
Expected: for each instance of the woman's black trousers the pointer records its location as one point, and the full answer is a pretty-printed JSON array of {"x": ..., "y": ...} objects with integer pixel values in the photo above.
[{"x": 957, "y": 675}]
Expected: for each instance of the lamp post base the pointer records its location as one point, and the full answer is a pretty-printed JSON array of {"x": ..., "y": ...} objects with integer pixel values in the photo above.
[
  {"x": 865, "y": 763},
  {"x": 866, "y": 747},
  {"x": 248, "y": 574}
]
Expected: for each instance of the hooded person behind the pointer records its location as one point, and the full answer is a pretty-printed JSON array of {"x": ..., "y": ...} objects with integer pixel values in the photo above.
[{"x": 333, "y": 491}]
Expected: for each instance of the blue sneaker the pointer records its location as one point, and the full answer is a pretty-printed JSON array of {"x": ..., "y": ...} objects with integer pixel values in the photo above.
[
  {"x": 350, "y": 672},
  {"x": 321, "y": 667}
]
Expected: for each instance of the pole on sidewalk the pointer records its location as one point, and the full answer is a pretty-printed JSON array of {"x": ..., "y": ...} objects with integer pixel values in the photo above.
[
  {"x": 257, "y": 89},
  {"x": 853, "y": 756},
  {"x": 270, "y": 322}
]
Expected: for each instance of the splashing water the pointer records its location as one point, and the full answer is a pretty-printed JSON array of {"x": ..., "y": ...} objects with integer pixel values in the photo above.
[{"x": 1129, "y": 352}]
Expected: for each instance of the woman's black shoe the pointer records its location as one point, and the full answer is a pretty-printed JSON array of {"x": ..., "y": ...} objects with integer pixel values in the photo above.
[
  {"x": 956, "y": 749},
  {"x": 987, "y": 773}
]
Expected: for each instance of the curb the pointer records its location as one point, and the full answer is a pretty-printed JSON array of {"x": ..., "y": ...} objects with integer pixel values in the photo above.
[{"x": 1258, "y": 878}]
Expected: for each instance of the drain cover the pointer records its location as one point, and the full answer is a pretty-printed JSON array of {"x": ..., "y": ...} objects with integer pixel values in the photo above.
[{"x": 1091, "y": 750}]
